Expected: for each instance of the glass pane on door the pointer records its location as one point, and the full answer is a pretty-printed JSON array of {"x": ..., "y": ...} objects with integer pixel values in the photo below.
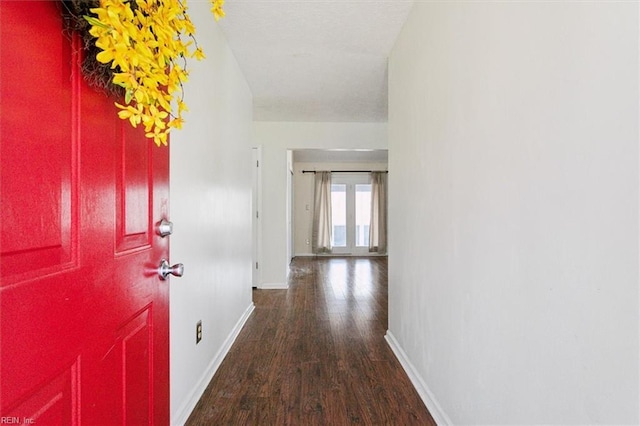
[
  {"x": 363, "y": 214},
  {"x": 339, "y": 215}
]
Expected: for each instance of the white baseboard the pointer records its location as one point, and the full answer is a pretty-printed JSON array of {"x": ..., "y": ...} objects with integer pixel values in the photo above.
[
  {"x": 425, "y": 393},
  {"x": 184, "y": 412},
  {"x": 273, "y": 286}
]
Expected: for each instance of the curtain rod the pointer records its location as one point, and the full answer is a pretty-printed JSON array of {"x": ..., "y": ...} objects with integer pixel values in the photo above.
[{"x": 345, "y": 171}]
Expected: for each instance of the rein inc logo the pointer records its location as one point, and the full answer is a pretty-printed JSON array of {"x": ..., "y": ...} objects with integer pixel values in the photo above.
[{"x": 17, "y": 421}]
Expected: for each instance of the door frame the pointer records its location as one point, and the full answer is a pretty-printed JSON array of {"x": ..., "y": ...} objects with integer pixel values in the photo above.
[{"x": 256, "y": 211}]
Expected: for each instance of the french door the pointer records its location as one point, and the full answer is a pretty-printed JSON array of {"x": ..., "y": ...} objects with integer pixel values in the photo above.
[{"x": 350, "y": 213}]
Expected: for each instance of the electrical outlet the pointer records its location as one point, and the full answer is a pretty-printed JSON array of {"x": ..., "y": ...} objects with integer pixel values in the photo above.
[{"x": 198, "y": 332}]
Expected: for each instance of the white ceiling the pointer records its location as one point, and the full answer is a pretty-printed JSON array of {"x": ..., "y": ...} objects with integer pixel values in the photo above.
[{"x": 312, "y": 60}]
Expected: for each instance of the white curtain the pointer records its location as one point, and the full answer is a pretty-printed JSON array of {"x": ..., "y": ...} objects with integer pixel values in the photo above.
[
  {"x": 378, "y": 225},
  {"x": 321, "y": 235}
]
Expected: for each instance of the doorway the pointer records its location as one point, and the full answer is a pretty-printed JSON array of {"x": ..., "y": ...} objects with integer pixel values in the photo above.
[{"x": 349, "y": 167}]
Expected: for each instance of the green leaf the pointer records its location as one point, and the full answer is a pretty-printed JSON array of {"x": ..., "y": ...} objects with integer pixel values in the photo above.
[
  {"x": 128, "y": 96},
  {"x": 95, "y": 22}
]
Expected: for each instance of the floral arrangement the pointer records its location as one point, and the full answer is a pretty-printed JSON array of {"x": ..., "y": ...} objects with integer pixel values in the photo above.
[{"x": 145, "y": 44}]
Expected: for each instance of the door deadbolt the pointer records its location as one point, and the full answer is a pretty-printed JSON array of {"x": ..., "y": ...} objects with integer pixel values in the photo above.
[{"x": 164, "y": 228}]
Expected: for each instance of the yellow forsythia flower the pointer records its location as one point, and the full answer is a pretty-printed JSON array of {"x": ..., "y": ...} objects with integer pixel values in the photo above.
[
  {"x": 144, "y": 42},
  {"x": 217, "y": 9}
]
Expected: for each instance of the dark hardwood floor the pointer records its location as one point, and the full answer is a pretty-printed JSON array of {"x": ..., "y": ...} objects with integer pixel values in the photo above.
[{"x": 315, "y": 354}]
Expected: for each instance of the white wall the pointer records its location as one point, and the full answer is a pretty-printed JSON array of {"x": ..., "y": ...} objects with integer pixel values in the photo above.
[
  {"x": 513, "y": 159},
  {"x": 303, "y": 184},
  {"x": 276, "y": 138},
  {"x": 211, "y": 179}
]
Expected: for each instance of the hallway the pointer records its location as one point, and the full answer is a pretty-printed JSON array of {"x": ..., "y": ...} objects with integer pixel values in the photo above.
[{"x": 315, "y": 354}]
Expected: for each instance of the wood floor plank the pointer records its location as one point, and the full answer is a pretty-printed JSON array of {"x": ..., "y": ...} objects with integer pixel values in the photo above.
[{"x": 315, "y": 354}]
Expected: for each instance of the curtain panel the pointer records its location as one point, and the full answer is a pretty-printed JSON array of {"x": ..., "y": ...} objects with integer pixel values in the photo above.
[
  {"x": 321, "y": 232},
  {"x": 378, "y": 225}
]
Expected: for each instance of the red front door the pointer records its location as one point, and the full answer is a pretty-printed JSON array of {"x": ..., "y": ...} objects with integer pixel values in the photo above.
[{"x": 83, "y": 314}]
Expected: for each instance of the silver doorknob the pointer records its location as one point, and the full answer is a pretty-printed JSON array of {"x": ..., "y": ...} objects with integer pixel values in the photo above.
[
  {"x": 164, "y": 228},
  {"x": 164, "y": 270}
]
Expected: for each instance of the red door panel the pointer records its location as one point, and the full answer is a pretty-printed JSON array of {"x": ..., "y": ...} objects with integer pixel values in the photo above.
[
  {"x": 53, "y": 403},
  {"x": 83, "y": 315},
  {"x": 133, "y": 190},
  {"x": 42, "y": 239},
  {"x": 39, "y": 222},
  {"x": 136, "y": 347}
]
